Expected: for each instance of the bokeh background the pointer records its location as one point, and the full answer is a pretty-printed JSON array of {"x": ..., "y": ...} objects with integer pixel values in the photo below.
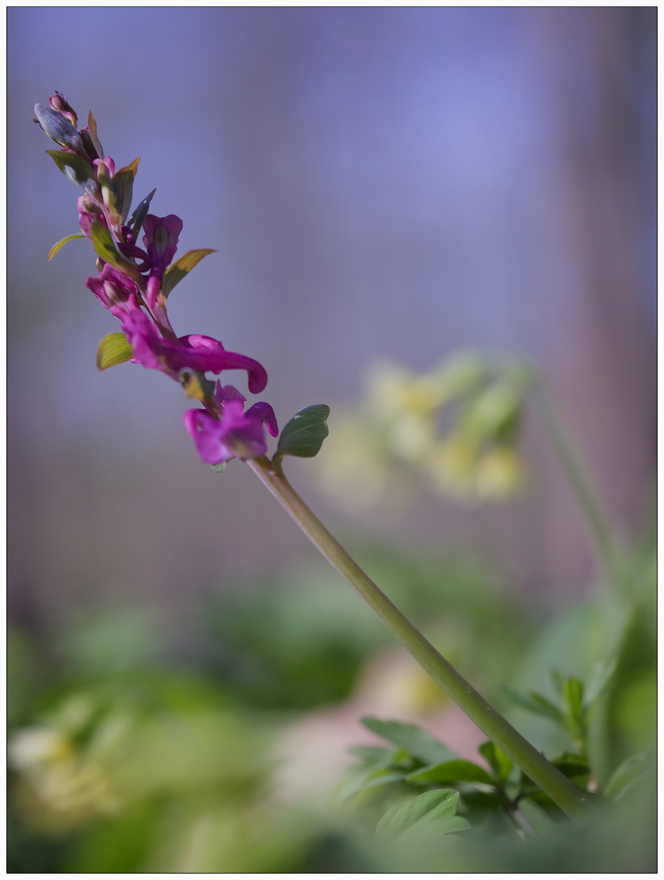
[{"x": 378, "y": 182}]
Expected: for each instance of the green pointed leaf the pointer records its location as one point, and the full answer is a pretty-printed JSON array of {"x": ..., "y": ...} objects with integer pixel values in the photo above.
[
  {"x": 535, "y": 703},
  {"x": 450, "y": 772},
  {"x": 123, "y": 188},
  {"x": 113, "y": 349},
  {"x": 183, "y": 267},
  {"x": 496, "y": 759},
  {"x": 625, "y": 776},
  {"x": 303, "y": 436},
  {"x": 92, "y": 129},
  {"x": 137, "y": 218},
  {"x": 62, "y": 243},
  {"x": 439, "y": 804},
  {"x": 76, "y": 169},
  {"x": 574, "y": 711},
  {"x": 374, "y": 756},
  {"x": 103, "y": 243},
  {"x": 415, "y": 740}
]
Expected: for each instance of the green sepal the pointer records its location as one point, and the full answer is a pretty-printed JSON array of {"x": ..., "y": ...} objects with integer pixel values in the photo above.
[
  {"x": 113, "y": 349},
  {"x": 441, "y": 804},
  {"x": 450, "y": 772},
  {"x": 122, "y": 186},
  {"x": 62, "y": 243},
  {"x": 103, "y": 243},
  {"x": 303, "y": 436},
  {"x": 196, "y": 385},
  {"x": 139, "y": 215},
  {"x": 92, "y": 130},
  {"x": 182, "y": 267},
  {"x": 412, "y": 738},
  {"x": 76, "y": 169}
]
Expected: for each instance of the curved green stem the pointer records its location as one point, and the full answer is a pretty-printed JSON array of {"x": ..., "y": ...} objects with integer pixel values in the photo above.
[
  {"x": 570, "y": 800},
  {"x": 601, "y": 535}
]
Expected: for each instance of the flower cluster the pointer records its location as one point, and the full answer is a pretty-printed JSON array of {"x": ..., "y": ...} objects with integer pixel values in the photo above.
[
  {"x": 134, "y": 283},
  {"x": 458, "y": 426}
]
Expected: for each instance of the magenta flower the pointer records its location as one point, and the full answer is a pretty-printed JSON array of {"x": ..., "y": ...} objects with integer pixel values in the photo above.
[
  {"x": 237, "y": 434},
  {"x": 194, "y": 352},
  {"x": 113, "y": 289},
  {"x": 160, "y": 240}
]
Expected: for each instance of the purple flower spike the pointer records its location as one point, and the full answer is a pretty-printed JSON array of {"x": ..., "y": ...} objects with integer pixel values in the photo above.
[{"x": 235, "y": 435}]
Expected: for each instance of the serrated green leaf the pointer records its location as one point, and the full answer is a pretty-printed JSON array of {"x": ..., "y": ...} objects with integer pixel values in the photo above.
[
  {"x": 113, "y": 349},
  {"x": 415, "y": 740},
  {"x": 103, "y": 243},
  {"x": 625, "y": 776},
  {"x": 139, "y": 215},
  {"x": 303, "y": 436},
  {"x": 496, "y": 759},
  {"x": 76, "y": 169},
  {"x": 183, "y": 267},
  {"x": 439, "y": 804},
  {"x": 62, "y": 243},
  {"x": 450, "y": 772}
]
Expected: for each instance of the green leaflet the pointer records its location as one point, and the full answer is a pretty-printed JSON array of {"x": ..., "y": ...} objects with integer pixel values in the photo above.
[{"x": 62, "y": 243}]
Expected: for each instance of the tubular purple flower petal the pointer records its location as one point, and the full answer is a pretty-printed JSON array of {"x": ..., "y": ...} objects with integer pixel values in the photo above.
[
  {"x": 265, "y": 413},
  {"x": 202, "y": 353}
]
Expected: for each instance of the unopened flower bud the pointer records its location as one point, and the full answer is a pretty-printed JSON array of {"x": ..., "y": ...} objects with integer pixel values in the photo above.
[{"x": 59, "y": 102}]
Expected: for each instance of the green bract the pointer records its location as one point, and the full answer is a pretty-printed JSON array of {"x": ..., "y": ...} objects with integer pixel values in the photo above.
[
  {"x": 113, "y": 349},
  {"x": 303, "y": 436}
]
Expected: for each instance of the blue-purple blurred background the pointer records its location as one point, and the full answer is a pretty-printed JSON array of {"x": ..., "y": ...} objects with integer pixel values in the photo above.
[{"x": 392, "y": 182}]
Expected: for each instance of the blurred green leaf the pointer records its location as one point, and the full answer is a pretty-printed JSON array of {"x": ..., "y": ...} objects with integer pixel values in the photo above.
[
  {"x": 598, "y": 679},
  {"x": 113, "y": 349},
  {"x": 625, "y": 776},
  {"x": 304, "y": 434},
  {"x": 451, "y": 771},
  {"x": 496, "y": 759},
  {"x": 182, "y": 267},
  {"x": 376, "y": 756},
  {"x": 535, "y": 703},
  {"x": 63, "y": 241},
  {"x": 439, "y": 804},
  {"x": 419, "y": 743},
  {"x": 574, "y": 711}
]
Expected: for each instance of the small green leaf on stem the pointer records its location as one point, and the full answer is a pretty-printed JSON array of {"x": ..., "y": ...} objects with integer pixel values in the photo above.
[
  {"x": 62, "y": 243},
  {"x": 94, "y": 137},
  {"x": 496, "y": 759},
  {"x": 412, "y": 738},
  {"x": 123, "y": 188},
  {"x": 303, "y": 436},
  {"x": 183, "y": 267},
  {"x": 625, "y": 776},
  {"x": 113, "y": 349},
  {"x": 197, "y": 386},
  {"x": 450, "y": 772}
]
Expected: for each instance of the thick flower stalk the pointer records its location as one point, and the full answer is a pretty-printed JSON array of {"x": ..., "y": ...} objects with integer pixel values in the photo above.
[{"x": 134, "y": 283}]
